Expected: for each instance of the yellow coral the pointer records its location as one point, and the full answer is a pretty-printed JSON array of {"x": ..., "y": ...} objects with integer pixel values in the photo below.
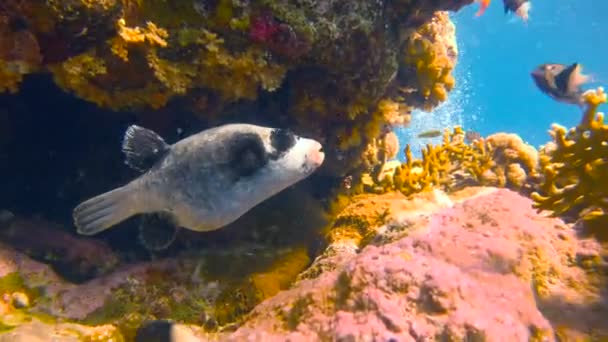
[
  {"x": 576, "y": 171},
  {"x": 233, "y": 76},
  {"x": 431, "y": 51},
  {"x": 435, "y": 167},
  {"x": 152, "y": 34},
  {"x": 177, "y": 77},
  {"x": 76, "y": 74},
  {"x": 281, "y": 274},
  {"x": 500, "y": 160},
  {"x": 359, "y": 217},
  {"x": 105, "y": 4},
  {"x": 10, "y": 77},
  {"x": 395, "y": 113},
  {"x": 236, "y": 76}
]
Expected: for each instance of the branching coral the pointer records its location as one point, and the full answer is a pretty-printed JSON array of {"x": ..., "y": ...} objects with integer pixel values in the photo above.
[
  {"x": 502, "y": 160},
  {"x": 575, "y": 168}
]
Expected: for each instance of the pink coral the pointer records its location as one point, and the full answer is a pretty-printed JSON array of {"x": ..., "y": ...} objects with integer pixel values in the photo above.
[
  {"x": 278, "y": 37},
  {"x": 263, "y": 28},
  {"x": 482, "y": 266},
  {"x": 466, "y": 275}
]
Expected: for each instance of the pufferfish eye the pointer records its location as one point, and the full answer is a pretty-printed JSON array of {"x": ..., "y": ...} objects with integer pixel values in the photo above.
[{"x": 282, "y": 139}]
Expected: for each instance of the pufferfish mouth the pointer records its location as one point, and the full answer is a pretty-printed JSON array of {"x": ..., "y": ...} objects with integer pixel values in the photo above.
[
  {"x": 313, "y": 159},
  {"x": 317, "y": 156}
]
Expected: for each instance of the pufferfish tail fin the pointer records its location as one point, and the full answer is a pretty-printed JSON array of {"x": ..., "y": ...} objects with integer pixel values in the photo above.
[{"x": 104, "y": 211}]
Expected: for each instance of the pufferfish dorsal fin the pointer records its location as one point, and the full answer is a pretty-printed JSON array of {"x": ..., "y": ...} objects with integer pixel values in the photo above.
[{"x": 143, "y": 148}]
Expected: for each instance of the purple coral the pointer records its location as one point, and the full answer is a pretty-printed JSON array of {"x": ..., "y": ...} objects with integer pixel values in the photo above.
[{"x": 278, "y": 37}]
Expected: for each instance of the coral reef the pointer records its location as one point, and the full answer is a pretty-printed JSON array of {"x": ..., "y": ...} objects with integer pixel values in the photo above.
[
  {"x": 514, "y": 163},
  {"x": 430, "y": 265},
  {"x": 409, "y": 251},
  {"x": 193, "y": 289},
  {"x": 484, "y": 267},
  {"x": 427, "y": 62},
  {"x": 75, "y": 258},
  {"x": 19, "y": 54},
  {"x": 352, "y": 70},
  {"x": 574, "y": 167},
  {"x": 501, "y": 160}
]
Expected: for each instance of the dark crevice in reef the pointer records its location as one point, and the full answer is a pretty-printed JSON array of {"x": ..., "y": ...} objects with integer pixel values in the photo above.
[{"x": 57, "y": 150}]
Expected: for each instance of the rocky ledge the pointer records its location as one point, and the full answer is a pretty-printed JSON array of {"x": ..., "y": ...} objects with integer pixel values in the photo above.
[{"x": 479, "y": 264}]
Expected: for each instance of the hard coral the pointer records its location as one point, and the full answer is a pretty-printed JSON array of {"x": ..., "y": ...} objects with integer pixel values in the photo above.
[
  {"x": 144, "y": 53},
  {"x": 428, "y": 59},
  {"x": 502, "y": 160},
  {"x": 362, "y": 117},
  {"x": 441, "y": 276},
  {"x": 152, "y": 35},
  {"x": 575, "y": 170},
  {"x": 514, "y": 163},
  {"x": 81, "y": 75},
  {"x": 120, "y": 83},
  {"x": 437, "y": 166}
]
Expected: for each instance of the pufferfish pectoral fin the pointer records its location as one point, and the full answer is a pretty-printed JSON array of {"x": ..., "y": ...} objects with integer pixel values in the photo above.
[
  {"x": 143, "y": 148},
  {"x": 157, "y": 231}
]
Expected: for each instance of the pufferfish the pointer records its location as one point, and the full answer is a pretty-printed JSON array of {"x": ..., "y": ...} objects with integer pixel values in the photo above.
[{"x": 202, "y": 182}]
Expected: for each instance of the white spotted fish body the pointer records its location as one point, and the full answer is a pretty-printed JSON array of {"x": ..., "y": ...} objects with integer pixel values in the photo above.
[{"x": 204, "y": 181}]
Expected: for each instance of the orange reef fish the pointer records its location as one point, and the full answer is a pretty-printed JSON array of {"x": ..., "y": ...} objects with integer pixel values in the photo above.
[
  {"x": 561, "y": 82},
  {"x": 483, "y": 5}
]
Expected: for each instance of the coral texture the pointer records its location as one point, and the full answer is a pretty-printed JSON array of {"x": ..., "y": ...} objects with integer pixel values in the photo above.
[
  {"x": 501, "y": 160},
  {"x": 485, "y": 268},
  {"x": 352, "y": 70},
  {"x": 479, "y": 264},
  {"x": 575, "y": 167}
]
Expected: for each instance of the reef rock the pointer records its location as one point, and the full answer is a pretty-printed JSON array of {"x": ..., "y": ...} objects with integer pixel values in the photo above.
[
  {"x": 485, "y": 268},
  {"x": 37, "y": 331},
  {"x": 477, "y": 264}
]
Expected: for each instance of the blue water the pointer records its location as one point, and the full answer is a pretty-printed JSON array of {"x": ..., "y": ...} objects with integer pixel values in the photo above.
[{"x": 494, "y": 90}]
